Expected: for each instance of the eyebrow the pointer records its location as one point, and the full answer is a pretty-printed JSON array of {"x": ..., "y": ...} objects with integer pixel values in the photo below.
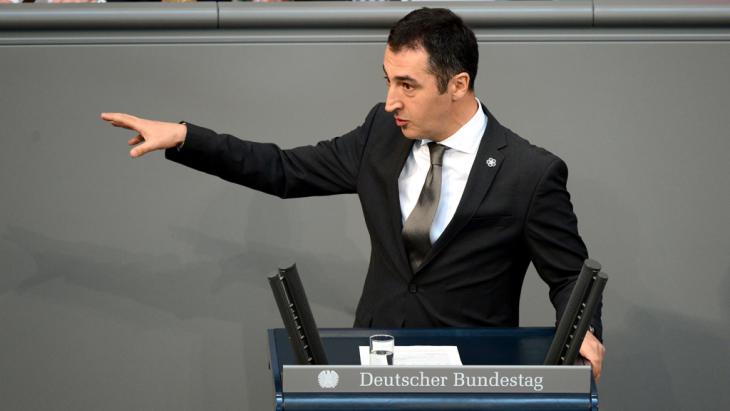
[{"x": 401, "y": 78}]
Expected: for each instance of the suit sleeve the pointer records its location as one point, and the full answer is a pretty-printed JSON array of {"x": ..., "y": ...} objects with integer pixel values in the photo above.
[
  {"x": 551, "y": 232},
  {"x": 329, "y": 167}
]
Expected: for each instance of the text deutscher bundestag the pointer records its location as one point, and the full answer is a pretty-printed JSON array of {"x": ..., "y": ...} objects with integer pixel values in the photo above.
[
  {"x": 456, "y": 379},
  {"x": 445, "y": 379}
]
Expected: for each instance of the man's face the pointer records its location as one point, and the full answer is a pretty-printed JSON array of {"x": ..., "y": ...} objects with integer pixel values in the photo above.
[{"x": 413, "y": 96}]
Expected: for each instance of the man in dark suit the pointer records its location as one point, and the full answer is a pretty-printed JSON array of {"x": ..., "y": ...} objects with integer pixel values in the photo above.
[{"x": 456, "y": 204}]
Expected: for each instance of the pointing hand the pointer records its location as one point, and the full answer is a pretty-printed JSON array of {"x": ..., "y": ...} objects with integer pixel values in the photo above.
[{"x": 151, "y": 135}]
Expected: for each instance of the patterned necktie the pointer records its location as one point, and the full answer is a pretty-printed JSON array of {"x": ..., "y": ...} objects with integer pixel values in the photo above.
[{"x": 417, "y": 228}]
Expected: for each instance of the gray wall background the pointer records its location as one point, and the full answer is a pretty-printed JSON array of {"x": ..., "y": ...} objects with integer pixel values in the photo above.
[{"x": 139, "y": 284}]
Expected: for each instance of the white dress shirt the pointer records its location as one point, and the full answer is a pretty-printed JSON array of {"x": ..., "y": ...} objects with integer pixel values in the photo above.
[{"x": 457, "y": 163}]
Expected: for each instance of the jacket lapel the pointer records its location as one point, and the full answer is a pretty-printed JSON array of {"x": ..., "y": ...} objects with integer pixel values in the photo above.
[
  {"x": 486, "y": 166},
  {"x": 401, "y": 153}
]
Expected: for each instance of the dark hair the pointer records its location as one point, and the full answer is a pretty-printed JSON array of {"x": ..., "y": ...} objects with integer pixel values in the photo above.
[{"x": 450, "y": 44}]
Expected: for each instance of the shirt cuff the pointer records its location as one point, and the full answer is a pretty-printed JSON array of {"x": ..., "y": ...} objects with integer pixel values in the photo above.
[{"x": 180, "y": 146}]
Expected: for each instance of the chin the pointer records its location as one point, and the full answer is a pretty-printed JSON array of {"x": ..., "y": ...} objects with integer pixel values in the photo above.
[{"x": 410, "y": 134}]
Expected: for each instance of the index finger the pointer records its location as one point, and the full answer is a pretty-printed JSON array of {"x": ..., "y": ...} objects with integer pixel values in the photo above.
[{"x": 121, "y": 120}]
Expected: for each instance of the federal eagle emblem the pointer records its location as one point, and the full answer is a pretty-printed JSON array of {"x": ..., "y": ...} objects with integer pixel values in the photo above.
[{"x": 328, "y": 379}]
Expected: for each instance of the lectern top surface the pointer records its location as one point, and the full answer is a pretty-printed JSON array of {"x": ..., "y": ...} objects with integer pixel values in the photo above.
[{"x": 477, "y": 346}]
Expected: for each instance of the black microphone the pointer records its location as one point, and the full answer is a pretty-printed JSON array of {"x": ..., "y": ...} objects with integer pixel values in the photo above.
[
  {"x": 297, "y": 316},
  {"x": 576, "y": 319}
]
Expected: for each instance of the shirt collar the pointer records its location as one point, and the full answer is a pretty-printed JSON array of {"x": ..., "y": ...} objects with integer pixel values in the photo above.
[{"x": 467, "y": 138}]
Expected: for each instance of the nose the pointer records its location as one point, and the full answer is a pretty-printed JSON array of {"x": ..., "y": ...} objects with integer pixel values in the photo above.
[{"x": 393, "y": 102}]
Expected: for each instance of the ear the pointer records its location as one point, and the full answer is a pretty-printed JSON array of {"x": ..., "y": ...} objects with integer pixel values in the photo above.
[{"x": 459, "y": 85}]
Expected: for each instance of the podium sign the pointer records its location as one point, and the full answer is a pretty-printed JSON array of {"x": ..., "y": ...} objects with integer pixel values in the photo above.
[
  {"x": 474, "y": 386},
  {"x": 507, "y": 379}
]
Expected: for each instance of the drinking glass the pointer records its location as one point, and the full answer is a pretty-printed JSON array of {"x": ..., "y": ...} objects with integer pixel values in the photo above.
[{"x": 381, "y": 349}]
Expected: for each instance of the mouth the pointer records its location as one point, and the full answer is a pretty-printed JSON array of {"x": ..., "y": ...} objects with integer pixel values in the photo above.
[{"x": 400, "y": 122}]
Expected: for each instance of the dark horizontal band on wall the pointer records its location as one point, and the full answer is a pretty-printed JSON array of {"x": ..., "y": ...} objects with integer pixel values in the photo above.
[
  {"x": 109, "y": 16},
  {"x": 362, "y": 15},
  {"x": 355, "y": 36},
  {"x": 383, "y": 15}
]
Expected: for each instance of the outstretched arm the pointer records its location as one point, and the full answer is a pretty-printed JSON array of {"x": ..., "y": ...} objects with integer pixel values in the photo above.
[{"x": 328, "y": 167}]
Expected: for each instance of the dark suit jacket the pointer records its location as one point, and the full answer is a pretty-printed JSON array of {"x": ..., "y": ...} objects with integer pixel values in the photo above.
[{"x": 511, "y": 213}]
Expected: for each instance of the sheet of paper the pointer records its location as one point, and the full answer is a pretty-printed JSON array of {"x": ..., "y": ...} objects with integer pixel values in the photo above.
[{"x": 418, "y": 355}]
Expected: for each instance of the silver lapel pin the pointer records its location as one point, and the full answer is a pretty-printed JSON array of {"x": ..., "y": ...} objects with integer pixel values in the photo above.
[{"x": 491, "y": 162}]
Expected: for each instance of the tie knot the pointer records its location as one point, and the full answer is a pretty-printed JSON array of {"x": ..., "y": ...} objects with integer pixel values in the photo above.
[{"x": 437, "y": 153}]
